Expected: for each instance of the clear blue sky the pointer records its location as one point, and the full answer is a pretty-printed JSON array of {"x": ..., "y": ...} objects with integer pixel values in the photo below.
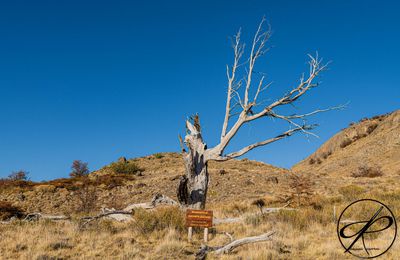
[{"x": 96, "y": 80}]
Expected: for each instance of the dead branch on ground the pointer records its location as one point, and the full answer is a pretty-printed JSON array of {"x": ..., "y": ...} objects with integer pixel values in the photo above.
[{"x": 204, "y": 250}]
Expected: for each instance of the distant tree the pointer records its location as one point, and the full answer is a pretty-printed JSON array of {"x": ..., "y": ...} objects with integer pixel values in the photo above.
[
  {"x": 79, "y": 169},
  {"x": 20, "y": 175}
]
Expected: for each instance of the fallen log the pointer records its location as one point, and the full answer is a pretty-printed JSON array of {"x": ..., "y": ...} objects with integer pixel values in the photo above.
[
  {"x": 204, "y": 250},
  {"x": 87, "y": 220},
  {"x": 36, "y": 216}
]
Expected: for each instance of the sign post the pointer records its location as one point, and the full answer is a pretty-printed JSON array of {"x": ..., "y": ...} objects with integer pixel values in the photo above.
[{"x": 198, "y": 218}]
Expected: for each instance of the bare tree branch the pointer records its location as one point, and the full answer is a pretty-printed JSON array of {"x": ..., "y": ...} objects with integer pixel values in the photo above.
[
  {"x": 238, "y": 49},
  {"x": 265, "y": 142},
  {"x": 183, "y": 150},
  {"x": 247, "y": 115},
  {"x": 316, "y": 67},
  {"x": 258, "y": 49}
]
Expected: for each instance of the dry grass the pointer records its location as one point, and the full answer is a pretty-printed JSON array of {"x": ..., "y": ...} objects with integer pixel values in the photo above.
[
  {"x": 147, "y": 222},
  {"x": 306, "y": 233}
]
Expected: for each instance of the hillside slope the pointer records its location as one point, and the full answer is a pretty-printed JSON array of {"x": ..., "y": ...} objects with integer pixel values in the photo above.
[
  {"x": 373, "y": 143},
  {"x": 241, "y": 180}
]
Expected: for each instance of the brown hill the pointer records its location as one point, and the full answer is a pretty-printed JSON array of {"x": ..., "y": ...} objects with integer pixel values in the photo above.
[
  {"x": 370, "y": 143},
  {"x": 365, "y": 156},
  {"x": 245, "y": 180}
]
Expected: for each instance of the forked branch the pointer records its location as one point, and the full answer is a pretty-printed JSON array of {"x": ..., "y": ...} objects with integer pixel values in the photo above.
[
  {"x": 248, "y": 112},
  {"x": 265, "y": 142}
]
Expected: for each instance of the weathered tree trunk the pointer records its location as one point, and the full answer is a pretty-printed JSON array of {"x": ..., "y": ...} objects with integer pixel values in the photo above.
[
  {"x": 192, "y": 190},
  {"x": 197, "y": 180}
]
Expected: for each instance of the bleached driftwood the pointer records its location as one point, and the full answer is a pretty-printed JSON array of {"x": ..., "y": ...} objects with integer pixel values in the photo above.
[
  {"x": 204, "y": 250},
  {"x": 87, "y": 220},
  {"x": 158, "y": 199},
  {"x": 36, "y": 216},
  {"x": 9, "y": 221}
]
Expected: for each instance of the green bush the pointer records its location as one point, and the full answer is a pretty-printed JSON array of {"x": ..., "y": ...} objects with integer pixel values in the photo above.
[
  {"x": 158, "y": 155},
  {"x": 125, "y": 168}
]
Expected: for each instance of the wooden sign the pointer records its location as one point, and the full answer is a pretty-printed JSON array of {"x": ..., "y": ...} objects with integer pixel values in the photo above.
[{"x": 199, "y": 218}]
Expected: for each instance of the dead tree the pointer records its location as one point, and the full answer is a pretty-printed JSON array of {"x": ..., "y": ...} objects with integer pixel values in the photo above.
[{"x": 242, "y": 107}]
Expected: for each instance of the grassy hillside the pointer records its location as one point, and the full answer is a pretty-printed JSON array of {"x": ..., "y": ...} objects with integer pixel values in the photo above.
[{"x": 361, "y": 161}]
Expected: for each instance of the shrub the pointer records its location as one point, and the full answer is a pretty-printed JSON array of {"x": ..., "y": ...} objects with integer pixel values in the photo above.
[
  {"x": 125, "y": 168},
  {"x": 20, "y": 175},
  {"x": 160, "y": 219},
  {"x": 222, "y": 172},
  {"x": 259, "y": 203},
  {"x": 366, "y": 171},
  {"x": 326, "y": 154},
  {"x": 67, "y": 183},
  {"x": 311, "y": 161},
  {"x": 79, "y": 169},
  {"x": 7, "y": 211},
  {"x": 371, "y": 128},
  {"x": 87, "y": 196},
  {"x": 345, "y": 142},
  {"x": 110, "y": 181},
  {"x": 301, "y": 188},
  {"x": 158, "y": 155},
  {"x": 7, "y": 183}
]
